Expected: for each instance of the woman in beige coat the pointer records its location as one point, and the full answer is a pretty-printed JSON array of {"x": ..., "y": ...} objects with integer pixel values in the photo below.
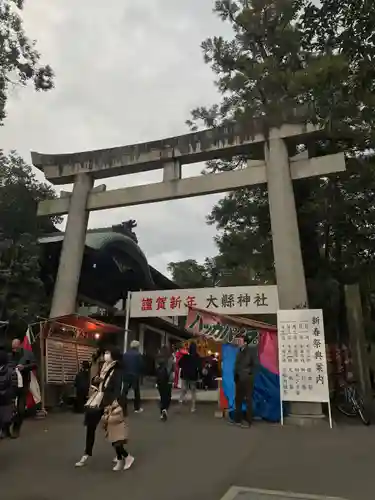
[{"x": 115, "y": 423}]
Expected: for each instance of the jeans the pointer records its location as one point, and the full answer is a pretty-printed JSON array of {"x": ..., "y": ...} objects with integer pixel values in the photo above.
[
  {"x": 192, "y": 385},
  {"x": 165, "y": 392},
  {"x": 244, "y": 394},
  {"x": 132, "y": 382}
]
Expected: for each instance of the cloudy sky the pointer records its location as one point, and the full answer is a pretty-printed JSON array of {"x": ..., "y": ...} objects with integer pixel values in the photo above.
[{"x": 126, "y": 71}]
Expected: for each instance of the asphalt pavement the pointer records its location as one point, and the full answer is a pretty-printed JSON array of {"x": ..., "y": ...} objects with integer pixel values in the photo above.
[{"x": 192, "y": 456}]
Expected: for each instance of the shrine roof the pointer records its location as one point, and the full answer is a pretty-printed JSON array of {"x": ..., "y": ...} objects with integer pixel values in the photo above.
[{"x": 108, "y": 241}]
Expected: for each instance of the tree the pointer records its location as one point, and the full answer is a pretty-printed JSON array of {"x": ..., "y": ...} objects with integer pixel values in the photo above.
[
  {"x": 212, "y": 272},
  {"x": 22, "y": 293},
  {"x": 19, "y": 59},
  {"x": 190, "y": 274},
  {"x": 291, "y": 60}
]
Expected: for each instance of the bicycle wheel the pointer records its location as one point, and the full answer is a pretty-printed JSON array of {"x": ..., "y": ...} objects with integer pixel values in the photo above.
[
  {"x": 364, "y": 416},
  {"x": 361, "y": 411},
  {"x": 344, "y": 404}
]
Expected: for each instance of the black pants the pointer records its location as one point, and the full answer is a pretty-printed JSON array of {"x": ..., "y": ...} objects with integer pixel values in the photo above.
[
  {"x": 121, "y": 453},
  {"x": 20, "y": 411},
  {"x": 132, "y": 382},
  {"x": 79, "y": 402},
  {"x": 244, "y": 394},
  {"x": 92, "y": 420},
  {"x": 165, "y": 392}
]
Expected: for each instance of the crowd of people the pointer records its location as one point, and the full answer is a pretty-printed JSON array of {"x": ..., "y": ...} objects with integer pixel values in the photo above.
[{"x": 102, "y": 388}]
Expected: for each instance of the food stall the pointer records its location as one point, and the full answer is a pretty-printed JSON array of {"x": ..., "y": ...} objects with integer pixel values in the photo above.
[
  {"x": 66, "y": 342},
  {"x": 228, "y": 332}
]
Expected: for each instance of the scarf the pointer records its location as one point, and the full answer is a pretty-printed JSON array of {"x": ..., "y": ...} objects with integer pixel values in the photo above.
[
  {"x": 107, "y": 366},
  {"x": 96, "y": 399}
]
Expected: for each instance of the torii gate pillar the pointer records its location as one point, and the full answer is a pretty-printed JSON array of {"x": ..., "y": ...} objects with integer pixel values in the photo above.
[
  {"x": 67, "y": 281},
  {"x": 290, "y": 275}
]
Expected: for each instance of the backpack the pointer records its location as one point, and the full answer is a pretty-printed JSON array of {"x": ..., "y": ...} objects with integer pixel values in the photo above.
[{"x": 5, "y": 386}]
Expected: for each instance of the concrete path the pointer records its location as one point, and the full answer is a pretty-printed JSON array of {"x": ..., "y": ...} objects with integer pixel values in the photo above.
[
  {"x": 192, "y": 456},
  {"x": 152, "y": 394}
]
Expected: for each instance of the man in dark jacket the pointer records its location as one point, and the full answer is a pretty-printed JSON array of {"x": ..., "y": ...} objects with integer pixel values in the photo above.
[
  {"x": 191, "y": 371},
  {"x": 244, "y": 372},
  {"x": 132, "y": 369},
  {"x": 25, "y": 362}
]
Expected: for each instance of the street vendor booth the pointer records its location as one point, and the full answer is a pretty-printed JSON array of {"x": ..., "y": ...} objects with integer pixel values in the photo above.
[
  {"x": 228, "y": 331},
  {"x": 66, "y": 342}
]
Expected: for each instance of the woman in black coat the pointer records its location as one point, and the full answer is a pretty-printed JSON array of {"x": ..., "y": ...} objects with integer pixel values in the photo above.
[{"x": 109, "y": 384}]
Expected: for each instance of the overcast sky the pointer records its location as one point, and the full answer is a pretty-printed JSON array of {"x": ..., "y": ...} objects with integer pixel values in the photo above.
[{"x": 127, "y": 71}]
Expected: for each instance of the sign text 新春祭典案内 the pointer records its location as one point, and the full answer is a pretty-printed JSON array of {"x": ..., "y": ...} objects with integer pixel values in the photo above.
[{"x": 302, "y": 356}]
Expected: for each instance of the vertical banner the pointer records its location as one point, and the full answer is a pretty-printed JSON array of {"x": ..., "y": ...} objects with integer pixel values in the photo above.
[{"x": 302, "y": 356}]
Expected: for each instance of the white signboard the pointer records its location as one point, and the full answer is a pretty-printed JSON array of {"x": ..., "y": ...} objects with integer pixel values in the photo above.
[
  {"x": 226, "y": 300},
  {"x": 302, "y": 356}
]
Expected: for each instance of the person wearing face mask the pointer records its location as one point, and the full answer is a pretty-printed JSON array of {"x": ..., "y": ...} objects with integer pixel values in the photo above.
[
  {"x": 244, "y": 373},
  {"x": 106, "y": 404}
]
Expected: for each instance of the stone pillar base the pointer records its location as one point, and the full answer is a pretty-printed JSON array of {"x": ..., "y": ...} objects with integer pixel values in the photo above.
[
  {"x": 306, "y": 415},
  {"x": 306, "y": 420}
]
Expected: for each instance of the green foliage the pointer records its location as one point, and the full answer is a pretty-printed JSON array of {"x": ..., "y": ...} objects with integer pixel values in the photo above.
[
  {"x": 297, "y": 60},
  {"x": 21, "y": 289},
  {"x": 19, "y": 60},
  {"x": 190, "y": 274}
]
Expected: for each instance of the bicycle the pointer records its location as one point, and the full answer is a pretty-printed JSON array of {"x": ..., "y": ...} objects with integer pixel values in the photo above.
[{"x": 349, "y": 402}]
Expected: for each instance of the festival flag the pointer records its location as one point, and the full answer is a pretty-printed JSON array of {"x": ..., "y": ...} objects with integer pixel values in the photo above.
[{"x": 33, "y": 396}]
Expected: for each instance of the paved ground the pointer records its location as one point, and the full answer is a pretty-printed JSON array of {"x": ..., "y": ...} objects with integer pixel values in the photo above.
[
  {"x": 152, "y": 394},
  {"x": 190, "y": 457}
]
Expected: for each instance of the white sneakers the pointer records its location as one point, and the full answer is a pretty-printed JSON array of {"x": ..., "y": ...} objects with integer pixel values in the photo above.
[
  {"x": 118, "y": 464},
  {"x": 138, "y": 411},
  {"x": 124, "y": 464},
  {"x": 83, "y": 461},
  {"x": 129, "y": 461}
]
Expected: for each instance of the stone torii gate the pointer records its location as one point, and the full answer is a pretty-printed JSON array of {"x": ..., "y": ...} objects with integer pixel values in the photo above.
[{"x": 272, "y": 165}]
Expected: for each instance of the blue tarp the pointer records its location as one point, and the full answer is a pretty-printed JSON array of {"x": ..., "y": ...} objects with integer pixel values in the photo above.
[{"x": 266, "y": 397}]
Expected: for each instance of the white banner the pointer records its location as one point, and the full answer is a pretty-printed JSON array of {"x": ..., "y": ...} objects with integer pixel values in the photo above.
[
  {"x": 302, "y": 356},
  {"x": 226, "y": 300}
]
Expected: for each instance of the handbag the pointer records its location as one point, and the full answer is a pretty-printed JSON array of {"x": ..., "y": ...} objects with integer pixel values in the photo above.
[{"x": 95, "y": 400}]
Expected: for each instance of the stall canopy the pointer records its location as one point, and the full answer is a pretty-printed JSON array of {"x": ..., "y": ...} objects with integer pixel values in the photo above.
[
  {"x": 84, "y": 324},
  {"x": 228, "y": 330}
]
